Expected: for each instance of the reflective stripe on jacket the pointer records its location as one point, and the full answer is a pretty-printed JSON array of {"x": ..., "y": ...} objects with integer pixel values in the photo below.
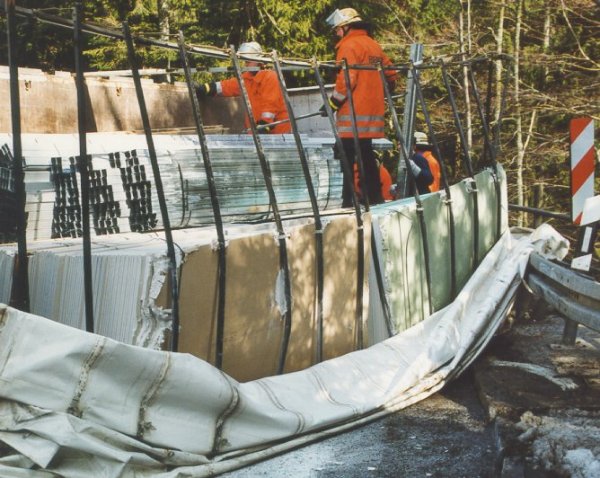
[
  {"x": 434, "y": 166},
  {"x": 265, "y": 97},
  {"x": 358, "y": 48}
]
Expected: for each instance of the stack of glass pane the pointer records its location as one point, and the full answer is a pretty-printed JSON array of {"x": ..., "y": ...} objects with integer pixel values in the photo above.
[{"x": 123, "y": 192}]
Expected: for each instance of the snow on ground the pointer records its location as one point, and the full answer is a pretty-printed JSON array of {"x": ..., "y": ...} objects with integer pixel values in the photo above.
[{"x": 566, "y": 442}]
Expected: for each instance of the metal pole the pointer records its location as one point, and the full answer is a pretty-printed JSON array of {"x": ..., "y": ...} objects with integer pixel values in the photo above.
[
  {"x": 404, "y": 152},
  {"x": 19, "y": 296},
  {"x": 83, "y": 161},
  {"x": 448, "y": 199},
  {"x": 489, "y": 147},
  {"x": 348, "y": 173},
  {"x": 159, "y": 187},
  {"x": 214, "y": 200},
  {"x": 484, "y": 125},
  {"x": 468, "y": 165},
  {"x": 283, "y": 256},
  {"x": 313, "y": 202},
  {"x": 408, "y": 120}
]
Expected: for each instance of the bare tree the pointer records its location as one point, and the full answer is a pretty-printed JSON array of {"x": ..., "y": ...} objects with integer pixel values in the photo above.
[
  {"x": 517, "y": 97},
  {"x": 465, "y": 50}
]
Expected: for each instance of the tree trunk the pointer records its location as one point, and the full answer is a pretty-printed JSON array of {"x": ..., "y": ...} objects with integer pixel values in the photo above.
[
  {"x": 546, "y": 44},
  {"x": 499, "y": 51},
  {"x": 465, "y": 50},
  {"x": 165, "y": 26},
  {"x": 519, "y": 126}
]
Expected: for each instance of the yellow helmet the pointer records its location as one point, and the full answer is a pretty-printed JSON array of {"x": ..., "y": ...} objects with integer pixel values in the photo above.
[{"x": 342, "y": 17}]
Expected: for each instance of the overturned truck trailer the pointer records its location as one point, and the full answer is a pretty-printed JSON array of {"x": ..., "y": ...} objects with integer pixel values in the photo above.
[
  {"x": 77, "y": 403},
  {"x": 237, "y": 310}
]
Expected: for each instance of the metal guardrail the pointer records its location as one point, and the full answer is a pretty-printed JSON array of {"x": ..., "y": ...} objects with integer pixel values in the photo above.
[{"x": 572, "y": 294}]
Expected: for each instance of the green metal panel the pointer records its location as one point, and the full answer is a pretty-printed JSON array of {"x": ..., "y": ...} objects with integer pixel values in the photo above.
[
  {"x": 462, "y": 207},
  {"x": 488, "y": 212},
  {"x": 404, "y": 267},
  {"x": 402, "y": 255},
  {"x": 438, "y": 234}
]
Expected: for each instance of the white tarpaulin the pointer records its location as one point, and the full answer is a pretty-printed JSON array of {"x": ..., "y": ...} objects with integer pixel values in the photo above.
[{"x": 80, "y": 405}]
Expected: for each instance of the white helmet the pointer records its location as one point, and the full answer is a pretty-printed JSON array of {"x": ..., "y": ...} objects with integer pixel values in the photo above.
[
  {"x": 342, "y": 17},
  {"x": 421, "y": 138},
  {"x": 251, "y": 49}
]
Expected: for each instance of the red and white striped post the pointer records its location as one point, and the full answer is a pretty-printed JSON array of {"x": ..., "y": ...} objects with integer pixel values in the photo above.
[
  {"x": 583, "y": 163},
  {"x": 584, "y": 206}
]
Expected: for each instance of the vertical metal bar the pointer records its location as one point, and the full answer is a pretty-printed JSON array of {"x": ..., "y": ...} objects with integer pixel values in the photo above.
[
  {"x": 448, "y": 199},
  {"x": 283, "y": 257},
  {"x": 489, "y": 147},
  {"x": 484, "y": 125},
  {"x": 408, "y": 120},
  {"x": 159, "y": 187},
  {"x": 468, "y": 165},
  {"x": 570, "y": 332},
  {"x": 348, "y": 175},
  {"x": 314, "y": 205},
  {"x": 356, "y": 140},
  {"x": 363, "y": 186},
  {"x": 405, "y": 154},
  {"x": 19, "y": 296},
  {"x": 214, "y": 200},
  {"x": 83, "y": 161}
]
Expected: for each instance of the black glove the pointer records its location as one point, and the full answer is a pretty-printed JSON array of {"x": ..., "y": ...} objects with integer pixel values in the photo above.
[
  {"x": 335, "y": 105},
  {"x": 206, "y": 89},
  {"x": 264, "y": 127}
]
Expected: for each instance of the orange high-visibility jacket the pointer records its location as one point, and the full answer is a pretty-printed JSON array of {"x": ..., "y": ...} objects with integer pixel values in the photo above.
[
  {"x": 358, "y": 48},
  {"x": 265, "y": 97},
  {"x": 385, "y": 179},
  {"x": 435, "y": 170}
]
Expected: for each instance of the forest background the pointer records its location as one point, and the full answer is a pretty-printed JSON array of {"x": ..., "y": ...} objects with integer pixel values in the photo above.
[{"x": 553, "y": 74}]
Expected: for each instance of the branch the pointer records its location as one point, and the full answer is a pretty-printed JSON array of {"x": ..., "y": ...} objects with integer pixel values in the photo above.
[{"x": 564, "y": 12}]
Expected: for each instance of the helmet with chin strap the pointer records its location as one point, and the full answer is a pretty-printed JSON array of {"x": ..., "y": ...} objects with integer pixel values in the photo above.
[{"x": 343, "y": 17}]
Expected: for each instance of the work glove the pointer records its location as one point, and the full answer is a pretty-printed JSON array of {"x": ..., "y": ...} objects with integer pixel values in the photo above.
[
  {"x": 335, "y": 105},
  {"x": 416, "y": 170},
  {"x": 264, "y": 127},
  {"x": 206, "y": 89}
]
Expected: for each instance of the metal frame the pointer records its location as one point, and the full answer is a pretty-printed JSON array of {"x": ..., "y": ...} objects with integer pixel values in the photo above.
[
  {"x": 320, "y": 263},
  {"x": 19, "y": 297},
  {"x": 159, "y": 188},
  {"x": 83, "y": 164},
  {"x": 214, "y": 200},
  {"x": 406, "y": 156},
  {"x": 444, "y": 175},
  {"x": 281, "y": 235},
  {"x": 468, "y": 165},
  {"x": 360, "y": 232}
]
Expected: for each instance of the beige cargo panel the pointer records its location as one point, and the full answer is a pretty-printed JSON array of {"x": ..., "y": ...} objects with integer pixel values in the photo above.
[{"x": 254, "y": 301}]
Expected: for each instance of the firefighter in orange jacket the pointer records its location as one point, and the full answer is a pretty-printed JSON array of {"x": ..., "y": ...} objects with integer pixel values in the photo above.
[
  {"x": 358, "y": 48},
  {"x": 422, "y": 146},
  {"x": 263, "y": 90},
  {"x": 385, "y": 180}
]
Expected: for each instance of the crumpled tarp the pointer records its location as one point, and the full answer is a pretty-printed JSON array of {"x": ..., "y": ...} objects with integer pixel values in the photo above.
[{"x": 77, "y": 404}]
